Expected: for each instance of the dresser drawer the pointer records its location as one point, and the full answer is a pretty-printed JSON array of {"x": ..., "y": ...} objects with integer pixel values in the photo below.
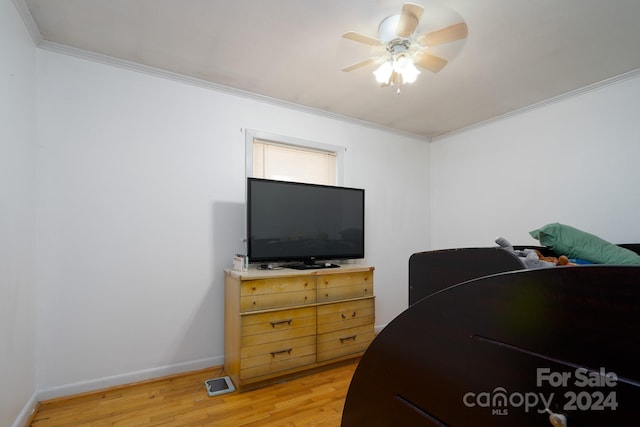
[
  {"x": 277, "y": 356},
  {"x": 277, "y": 285},
  {"x": 275, "y": 293},
  {"x": 263, "y": 328},
  {"x": 334, "y": 287},
  {"x": 343, "y": 315},
  {"x": 344, "y": 342}
]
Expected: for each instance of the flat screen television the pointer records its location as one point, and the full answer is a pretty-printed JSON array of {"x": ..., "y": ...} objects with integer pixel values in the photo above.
[{"x": 303, "y": 223}]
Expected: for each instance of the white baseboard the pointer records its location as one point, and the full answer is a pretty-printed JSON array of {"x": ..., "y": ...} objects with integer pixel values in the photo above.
[
  {"x": 131, "y": 377},
  {"x": 26, "y": 412}
]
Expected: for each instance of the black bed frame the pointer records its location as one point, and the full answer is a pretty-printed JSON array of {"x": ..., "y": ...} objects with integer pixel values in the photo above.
[
  {"x": 482, "y": 334},
  {"x": 432, "y": 271}
]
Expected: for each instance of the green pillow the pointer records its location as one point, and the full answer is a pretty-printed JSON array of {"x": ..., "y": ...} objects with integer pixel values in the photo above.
[{"x": 574, "y": 243}]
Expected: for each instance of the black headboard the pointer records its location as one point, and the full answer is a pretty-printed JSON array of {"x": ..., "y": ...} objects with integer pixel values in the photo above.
[{"x": 432, "y": 271}]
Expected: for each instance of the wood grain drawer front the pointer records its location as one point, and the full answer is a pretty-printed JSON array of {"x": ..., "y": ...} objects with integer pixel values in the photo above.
[
  {"x": 272, "y": 357},
  {"x": 262, "y": 328},
  {"x": 264, "y": 294},
  {"x": 334, "y": 287},
  {"x": 344, "y": 342},
  {"x": 343, "y": 315}
]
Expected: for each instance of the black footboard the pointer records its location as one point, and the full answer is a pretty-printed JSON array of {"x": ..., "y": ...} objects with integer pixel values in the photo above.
[{"x": 499, "y": 350}]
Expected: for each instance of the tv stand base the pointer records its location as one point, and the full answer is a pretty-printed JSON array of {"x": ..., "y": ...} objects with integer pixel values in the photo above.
[{"x": 312, "y": 266}]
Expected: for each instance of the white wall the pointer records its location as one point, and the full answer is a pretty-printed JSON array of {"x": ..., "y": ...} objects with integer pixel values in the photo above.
[
  {"x": 17, "y": 218},
  {"x": 574, "y": 161},
  {"x": 142, "y": 207}
]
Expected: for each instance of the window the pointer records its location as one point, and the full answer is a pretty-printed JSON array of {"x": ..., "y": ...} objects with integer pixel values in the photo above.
[
  {"x": 289, "y": 163},
  {"x": 285, "y": 159}
]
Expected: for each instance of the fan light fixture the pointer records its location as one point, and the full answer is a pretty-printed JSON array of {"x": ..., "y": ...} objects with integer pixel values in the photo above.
[
  {"x": 404, "y": 48},
  {"x": 398, "y": 68},
  {"x": 399, "y": 65}
]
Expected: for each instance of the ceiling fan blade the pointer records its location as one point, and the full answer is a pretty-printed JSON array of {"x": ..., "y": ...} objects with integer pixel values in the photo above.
[
  {"x": 445, "y": 35},
  {"x": 359, "y": 64},
  {"x": 361, "y": 38},
  {"x": 429, "y": 62},
  {"x": 409, "y": 19}
]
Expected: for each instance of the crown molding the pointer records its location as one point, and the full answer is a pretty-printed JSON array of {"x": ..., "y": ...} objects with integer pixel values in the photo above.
[
  {"x": 630, "y": 75},
  {"x": 27, "y": 18},
  {"x": 38, "y": 39},
  {"x": 158, "y": 72}
]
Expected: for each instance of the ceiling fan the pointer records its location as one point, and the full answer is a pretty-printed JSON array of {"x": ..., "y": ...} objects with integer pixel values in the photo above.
[{"x": 404, "y": 49}]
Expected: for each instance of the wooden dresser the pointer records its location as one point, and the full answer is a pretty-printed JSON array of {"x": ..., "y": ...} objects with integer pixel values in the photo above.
[{"x": 281, "y": 323}]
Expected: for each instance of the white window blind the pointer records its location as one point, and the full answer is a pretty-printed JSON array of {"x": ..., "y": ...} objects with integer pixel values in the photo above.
[{"x": 284, "y": 162}]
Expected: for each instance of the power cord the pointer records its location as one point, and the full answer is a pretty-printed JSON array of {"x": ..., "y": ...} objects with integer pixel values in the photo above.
[{"x": 195, "y": 395}]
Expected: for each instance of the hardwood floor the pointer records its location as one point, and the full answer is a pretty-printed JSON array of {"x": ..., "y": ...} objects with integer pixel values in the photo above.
[{"x": 313, "y": 400}]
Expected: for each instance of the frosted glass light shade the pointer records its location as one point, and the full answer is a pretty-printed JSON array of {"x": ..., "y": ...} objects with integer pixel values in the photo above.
[
  {"x": 410, "y": 73},
  {"x": 383, "y": 73}
]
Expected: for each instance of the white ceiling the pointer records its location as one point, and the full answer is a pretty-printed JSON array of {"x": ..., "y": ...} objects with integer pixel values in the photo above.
[{"x": 518, "y": 52}]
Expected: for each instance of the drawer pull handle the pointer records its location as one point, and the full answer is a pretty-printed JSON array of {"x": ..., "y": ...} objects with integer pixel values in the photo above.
[
  {"x": 343, "y": 316},
  {"x": 275, "y": 353},
  {"x": 351, "y": 338},
  {"x": 354, "y": 314},
  {"x": 281, "y": 322}
]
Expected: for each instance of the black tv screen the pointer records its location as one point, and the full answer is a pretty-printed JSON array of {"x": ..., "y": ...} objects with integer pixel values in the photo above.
[{"x": 290, "y": 221}]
